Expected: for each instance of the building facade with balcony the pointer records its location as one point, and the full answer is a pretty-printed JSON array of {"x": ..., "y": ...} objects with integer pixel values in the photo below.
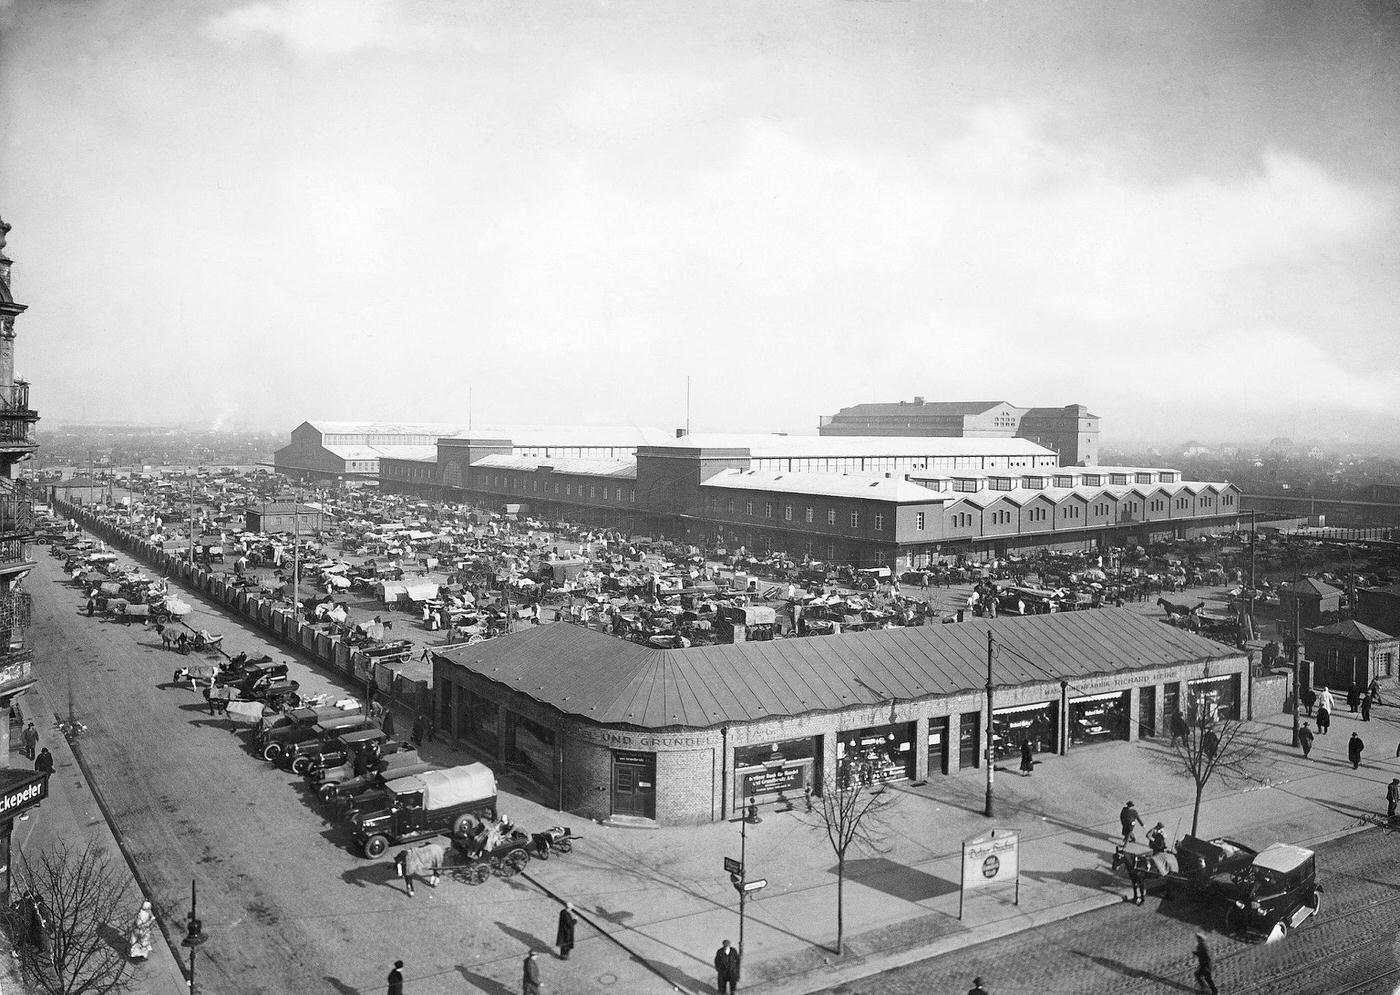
[{"x": 17, "y": 443}]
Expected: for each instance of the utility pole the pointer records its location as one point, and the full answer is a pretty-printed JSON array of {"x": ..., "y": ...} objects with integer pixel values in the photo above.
[
  {"x": 739, "y": 875},
  {"x": 194, "y": 934},
  {"x": 296, "y": 553},
  {"x": 1294, "y": 652},
  {"x": 1253, "y": 541},
  {"x": 191, "y": 516},
  {"x": 991, "y": 747}
]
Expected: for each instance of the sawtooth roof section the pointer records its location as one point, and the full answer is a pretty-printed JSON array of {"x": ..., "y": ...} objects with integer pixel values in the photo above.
[
  {"x": 615, "y": 682},
  {"x": 877, "y": 488}
]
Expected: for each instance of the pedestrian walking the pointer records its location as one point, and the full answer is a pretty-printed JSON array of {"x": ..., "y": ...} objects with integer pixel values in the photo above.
[
  {"x": 1366, "y": 707},
  {"x": 1157, "y": 839},
  {"x": 1353, "y": 697},
  {"x": 30, "y": 738},
  {"x": 1027, "y": 760},
  {"x": 420, "y": 725},
  {"x": 1210, "y": 742},
  {"x": 1204, "y": 981},
  {"x": 1375, "y": 691},
  {"x": 1354, "y": 748},
  {"x": 1309, "y": 698},
  {"x": 727, "y": 968},
  {"x": 388, "y": 725},
  {"x": 1127, "y": 816},
  {"x": 139, "y": 937},
  {"x": 1392, "y": 796},
  {"x": 44, "y": 761},
  {"x": 977, "y": 988},
  {"x": 396, "y": 979},
  {"x": 1324, "y": 699},
  {"x": 1180, "y": 730},
  {"x": 530, "y": 978},
  {"x": 564, "y": 935},
  {"x": 1305, "y": 739},
  {"x": 1324, "y": 718}
]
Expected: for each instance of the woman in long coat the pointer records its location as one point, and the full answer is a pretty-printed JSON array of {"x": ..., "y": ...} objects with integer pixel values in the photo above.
[
  {"x": 139, "y": 938},
  {"x": 564, "y": 937}
]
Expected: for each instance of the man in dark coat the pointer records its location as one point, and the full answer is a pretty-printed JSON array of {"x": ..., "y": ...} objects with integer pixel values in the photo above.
[
  {"x": 1324, "y": 719},
  {"x": 1392, "y": 796},
  {"x": 530, "y": 979},
  {"x": 564, "y": 936},
  {"x": 1127, "y": 816},
  {"x": 727, "y": 968},
  {"x": 30, "y": 739},
  {"x": 1354, "y": 748},
  {"x": 396, "y": 979},
  {"x": 420, "y": 726},
  {"x": 1366, "y": 707},
  {"x": 1180, "y": 730},
  {"x": 44, "y": 761},
  {"x": 1309, "y": 698},
  {"x": 1204, "y": 966},
  {"x": 1353, "y": 697},
  {"x": 1305, "y": 739}
]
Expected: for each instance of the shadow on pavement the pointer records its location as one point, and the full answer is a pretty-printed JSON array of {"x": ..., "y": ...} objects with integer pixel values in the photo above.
[
  {"x": 482, "y": 983},
  {"x": 341, "y": 987},
  {"x": 366, "y": 875},
  {"x": 523, "y": 938},
  {"x": 1132, "y": 972},
  {"x": 895, "y": 879}
]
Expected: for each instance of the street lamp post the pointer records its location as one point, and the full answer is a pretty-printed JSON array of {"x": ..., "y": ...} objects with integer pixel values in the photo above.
[
  {"x": 739, "y": 878},
  {"x": 194, "y": 933},
  {"x": 991, "y": 731}
]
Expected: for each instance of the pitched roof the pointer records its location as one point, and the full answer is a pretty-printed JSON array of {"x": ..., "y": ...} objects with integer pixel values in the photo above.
[
  {"x": 919, "y": 408},
  {"x": 1350, "y": 629},
  {"x": 625, "y": 468},
  {"x": 835, "y": 446},
  {"x": 881, "y": 488},
  {"x": 1311, "y": 585},
  {"x": 615, "y": 682}
]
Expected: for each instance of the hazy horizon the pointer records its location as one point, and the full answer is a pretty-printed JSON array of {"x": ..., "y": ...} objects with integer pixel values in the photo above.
[{"x": 258, "y": 213}]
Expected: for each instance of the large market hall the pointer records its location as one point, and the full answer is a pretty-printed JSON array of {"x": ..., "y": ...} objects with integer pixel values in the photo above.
[{"x": 611, "y": 729}]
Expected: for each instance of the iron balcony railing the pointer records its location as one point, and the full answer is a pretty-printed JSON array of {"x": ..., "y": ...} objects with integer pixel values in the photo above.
[
  {"x": 17, "y": 418},
  {"x": 15, "y": 611},
  {"x": 14, "y": 399},
  {"x": 13, "y": 551},
  {"x": 16, "y": 517}
]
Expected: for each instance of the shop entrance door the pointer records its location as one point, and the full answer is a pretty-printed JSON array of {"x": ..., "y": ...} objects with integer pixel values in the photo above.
[
  {"x": 1147, "y": 711},
  {"x": 970, "y": 740},
  {"x": 938, "y": 745},
  {"x": 634, "y": 784}
]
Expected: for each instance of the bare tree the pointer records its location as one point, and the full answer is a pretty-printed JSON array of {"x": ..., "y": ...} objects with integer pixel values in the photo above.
[
  {"x": 853, "y": 815},
  {"x": 84, "y": 897},
  {"x": 1213, "y": 747}
]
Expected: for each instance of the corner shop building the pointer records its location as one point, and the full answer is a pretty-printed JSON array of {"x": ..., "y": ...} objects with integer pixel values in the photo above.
[{"x": 611, "y": 729}]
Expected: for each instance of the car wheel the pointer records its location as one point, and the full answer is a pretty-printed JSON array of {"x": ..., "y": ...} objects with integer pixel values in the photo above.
[
  {"x": 461, "y": 824},
  {"x": 271, "y": 752},
  {"x": 375, "y": 846},
  {"x": 301, "y": 765},
  {"x": 327, "y": 793}
]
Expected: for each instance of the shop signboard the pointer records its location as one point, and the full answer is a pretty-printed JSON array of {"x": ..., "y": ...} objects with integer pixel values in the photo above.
[
  {"x": 774, "y": 780},
  {"x": 991, "y": 859},
  {"x": 23, "y": 793}
]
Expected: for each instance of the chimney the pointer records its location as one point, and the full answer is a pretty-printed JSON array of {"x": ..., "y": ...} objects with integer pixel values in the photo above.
[
  {"x": 681, "y": 433},
  {"x": 918, "y": 400}
]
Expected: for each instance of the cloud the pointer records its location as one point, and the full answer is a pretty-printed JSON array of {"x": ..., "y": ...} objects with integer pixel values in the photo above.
[{"x": 312, "y": 28}]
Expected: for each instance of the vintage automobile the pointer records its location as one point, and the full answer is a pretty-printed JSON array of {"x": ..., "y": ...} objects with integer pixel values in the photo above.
[
  {"x": 290, "y": 725},
  {"x": 249, "y": 677},
  {"x": 296, "y": 749},
  {"x": 348, "y": 748},
  {"x": 1277, "y": 892},
  {"x": 362, "y": 773},
  {"x": 363, "y": 794},
  {"x": 425, "y": 805}
]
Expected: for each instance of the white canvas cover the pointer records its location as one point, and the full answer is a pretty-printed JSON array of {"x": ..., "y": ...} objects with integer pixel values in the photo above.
[
  {"x": 454, "y": 786},
  {"x": 391, "y": 590},
  {"x": 421, "y": 590}
]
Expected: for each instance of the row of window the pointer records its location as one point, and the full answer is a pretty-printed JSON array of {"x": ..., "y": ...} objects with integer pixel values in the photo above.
[
  {"x": 808, "y": 513},
  {"x": 568, "y": 489}
]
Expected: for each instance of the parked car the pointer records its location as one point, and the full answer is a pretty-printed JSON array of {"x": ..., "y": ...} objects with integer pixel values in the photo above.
[
  {"x": 1277, "y": 892},
  {"x": 425, "y": 805},
  {"x": 299, "y": 751},
  {"x": 279, "y": 739}
]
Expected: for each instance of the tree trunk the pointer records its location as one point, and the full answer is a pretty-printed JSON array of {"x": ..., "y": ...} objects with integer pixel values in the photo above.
[
  {"x": 1196, "y": 810},
  {"x": 840, "y": 910}
]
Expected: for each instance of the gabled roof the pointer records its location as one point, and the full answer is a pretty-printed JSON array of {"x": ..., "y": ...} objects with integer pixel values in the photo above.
[
  {"x": 1313, "y": 586},
  {"x": 613, "y": 681},
  {"x": 1351, "y": 629},
  {"x": 893, "y": 489},
  {"x": 913, "y": 408}
]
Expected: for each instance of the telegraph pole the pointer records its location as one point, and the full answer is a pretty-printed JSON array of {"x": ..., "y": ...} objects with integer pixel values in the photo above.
[
  {"x": 991, "y": 747},
  {"x": 1293, "y": 654},
  {"x": 296, "y": 553}
]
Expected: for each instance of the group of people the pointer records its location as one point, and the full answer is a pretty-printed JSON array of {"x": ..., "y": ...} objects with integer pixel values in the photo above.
[{"x": 29, "y": 745}]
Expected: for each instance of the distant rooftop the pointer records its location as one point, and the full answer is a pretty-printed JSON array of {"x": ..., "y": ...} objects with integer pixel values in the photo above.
[{"x": 762, "y": 446}]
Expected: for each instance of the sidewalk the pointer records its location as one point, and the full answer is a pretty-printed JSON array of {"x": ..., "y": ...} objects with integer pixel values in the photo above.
[
  {"x": 70, "y": 813},
  {"x": 663, "y": 895}
]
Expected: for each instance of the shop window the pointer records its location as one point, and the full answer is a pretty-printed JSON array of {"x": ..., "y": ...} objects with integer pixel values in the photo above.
[
  {"x": 532, "y": 747},
  {"x": 1037, "y": 724},
  {"x": 875, "y": 755},
  {"x": 775, "y": 772},
  {"x": 1098, "y": 718},
  {"x": 483, "y": 718}
]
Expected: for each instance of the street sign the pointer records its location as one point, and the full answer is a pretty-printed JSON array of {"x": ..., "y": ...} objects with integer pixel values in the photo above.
[
  {"x": 755, "y": 885},
  {"x": 990, "y": 859},
  {"x": 732, "y": 866}
]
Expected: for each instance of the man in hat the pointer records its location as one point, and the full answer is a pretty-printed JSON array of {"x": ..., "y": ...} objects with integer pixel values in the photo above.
[
  {"x": 1354, "y": 748},
  {"x": 1305, "y": 739},
  {"x": 1204, "y": 981},
  {"x": 564, "y": 935},
  {"x": 1392, "y": 796},
  {"x": 30, "y": 738},
  {"x": 1156, "y": 839},
  {"x": 1127, "y": 817},
  {"x": 530, "y": 979},
  {"x": 396, "y": 979},
  {"x": 727, "y": 968},
  {"x": 977, "y": 988}
]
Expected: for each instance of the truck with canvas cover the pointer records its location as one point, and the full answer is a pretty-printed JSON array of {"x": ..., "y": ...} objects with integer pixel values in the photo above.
[{"x": 427, "y": 804}]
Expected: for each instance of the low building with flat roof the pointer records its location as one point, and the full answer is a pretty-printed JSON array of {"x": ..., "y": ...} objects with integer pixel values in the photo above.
[{"x": 609, "y": 729}]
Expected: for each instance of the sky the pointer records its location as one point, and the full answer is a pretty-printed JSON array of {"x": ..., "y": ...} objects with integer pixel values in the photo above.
[{"x": 249, "y": 214}]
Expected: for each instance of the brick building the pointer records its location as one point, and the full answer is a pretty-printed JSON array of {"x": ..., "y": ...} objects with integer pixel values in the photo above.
[
  {"x": 1072, "y": 432},
  {"x": 607, "y": 728},
  {"x": 1379, "y": 607},
  {"x": 1347, "y": 652}
]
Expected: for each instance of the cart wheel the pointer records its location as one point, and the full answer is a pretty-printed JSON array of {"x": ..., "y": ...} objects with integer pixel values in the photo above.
[
  {"x": 565, "y": 845},
  {"x": 375, "y": 846},
  {"x": 478, "y": 873},
  {"x": 301, "y": 765},
  {"x": 514, "y": 861}
]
